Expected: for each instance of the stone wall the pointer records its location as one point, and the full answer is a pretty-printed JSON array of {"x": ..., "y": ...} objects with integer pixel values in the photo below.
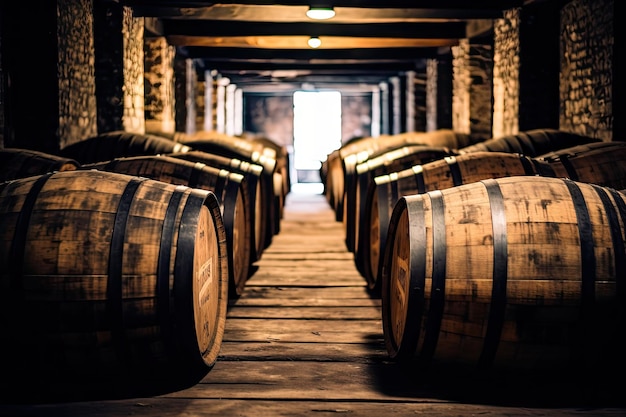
[
  {"x": 461, "y": 87},
  {"x": 134, "y": 94},
  {"x": 356, "y": 115},
  {"x": 270, "y": 116},
  {"x": 438, "y": 100},
  {"x": 76, "y": 71},
  {"x": 159, "y": 84},
  {"x": 189, "y": 105},
  {"x": 185, "y": 85},
  {"x": 586, "y": 92},
  {"x": 506, "y": 74},
  {"x": 418, "y": 86},
  {"x": 119, "y": 68}
]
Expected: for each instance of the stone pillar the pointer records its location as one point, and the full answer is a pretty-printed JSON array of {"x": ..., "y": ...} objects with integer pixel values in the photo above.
[
  {"x": 230, "y": 109},
  {"x": 385, "y": 122},
  {"x": 159, "y": 85},
  {"x": 395, "y": 105},
  {"x": 472, "y": 89},
  {"x": 220, "y": 104},
  {"x": 506, "y": 67},
  {"x": 185, "y": 81},
  {"x": 118, "y": 40},
  {"x": 431, "y": 95},
  {"x": 418, "y": 118},
  {"x": 410, "y": 104},
  {"x": 238, "y": 111},
  {"x": 586, "y": 84},
  {"x": 376, "y": 112},
  {"x": 439, "y": 92},
  {"x": 195, "y": 99},
  {"x": 209, "y": 92}
]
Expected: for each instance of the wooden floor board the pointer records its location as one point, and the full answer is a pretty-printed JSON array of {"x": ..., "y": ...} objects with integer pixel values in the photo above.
[{"x": 305, "y": 338}]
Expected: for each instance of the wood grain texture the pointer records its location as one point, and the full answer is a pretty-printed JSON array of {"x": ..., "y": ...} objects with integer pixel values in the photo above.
[{"x": 307, "y": 340}]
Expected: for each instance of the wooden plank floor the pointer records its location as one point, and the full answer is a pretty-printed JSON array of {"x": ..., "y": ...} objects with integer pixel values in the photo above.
[{"x": 305, "y": 339}]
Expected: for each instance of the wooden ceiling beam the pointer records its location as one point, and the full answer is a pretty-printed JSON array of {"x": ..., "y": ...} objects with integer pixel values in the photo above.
[
  {"x": 213, "y": 28},
  {"x": 315, "y": 79},
  {"x": 277, "y": 14},
  {"x": 423, "y": 4},
  {"x": 308, "y": 55},
  {"x": 341, "y": 67}
]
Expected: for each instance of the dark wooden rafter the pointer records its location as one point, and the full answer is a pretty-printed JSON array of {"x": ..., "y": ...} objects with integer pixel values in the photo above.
[
  {"x": 255, "y": 36},
  {"x": 211, "y": 28},
  {"x": 341, "y": 68},
  {"x": 309, "y": 56},
  {"x": 423, "y": 4}
]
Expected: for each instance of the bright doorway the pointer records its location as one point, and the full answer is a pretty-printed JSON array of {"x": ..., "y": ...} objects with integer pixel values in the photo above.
[{"x": 317, "y": 133}]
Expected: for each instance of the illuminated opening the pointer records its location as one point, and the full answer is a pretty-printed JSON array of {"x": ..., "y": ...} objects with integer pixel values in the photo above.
[{"x": 317, "y": 133}]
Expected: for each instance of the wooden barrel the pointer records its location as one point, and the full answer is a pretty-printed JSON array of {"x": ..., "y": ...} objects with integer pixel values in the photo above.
[
  {"x": 601, "y": 163},
  {"x": 175, "y": 136},
  {"x": 108, "y": 275},
  {"x": 362, "y": 149},
  {"x": 227, "y": 186},
  {"x": 21, "y": 163},
  {"x": 385, "y": 191},
  {"x": 388, "y": 161},
  {"x": 332, "y": 175},
  {"x": 533, "y": 142},
  {"x": 282, "y": 168},
  {"x": 119, "y": 144},
  {"x": 232, "y": 147},
  {"x": 516, "y": 273},
  {"x": 443, "y": 138},
  {"x": 254, "y": 186}
]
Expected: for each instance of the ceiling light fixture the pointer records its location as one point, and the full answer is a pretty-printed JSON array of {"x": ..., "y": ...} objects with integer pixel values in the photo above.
[
  {"x": 320, "y": 13},
  {"x": 314, "y": 42}
]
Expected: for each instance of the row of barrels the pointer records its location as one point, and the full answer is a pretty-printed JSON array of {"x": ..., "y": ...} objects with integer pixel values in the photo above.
[
  {"x": 120, "y": 254},
  {"x": 505, "y": 253}
]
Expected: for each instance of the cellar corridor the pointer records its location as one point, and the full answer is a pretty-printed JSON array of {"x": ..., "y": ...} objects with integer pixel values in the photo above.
[{"x": 305, "y": 339}]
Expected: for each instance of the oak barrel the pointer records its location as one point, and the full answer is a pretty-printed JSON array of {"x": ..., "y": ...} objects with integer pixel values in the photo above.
[
  {"x": 282, "y": 168},
  {"x": 601, "y": 163},
  {"x": 515, "y": 273},
  {"x": 107, "y": 275},
  {"x": 532, "y": 142},
  {"x": 450, "y": 171},
  {"x": 237, "y": 148},
  {"x": 21, "y": 163},
  {"x": 252, "y": 179},
  {"x": 228, "y": 188},
  {"x": 365, "y": 172},
  {"x": 362, "y": 149},
  {"x": 118, "y": 144}
]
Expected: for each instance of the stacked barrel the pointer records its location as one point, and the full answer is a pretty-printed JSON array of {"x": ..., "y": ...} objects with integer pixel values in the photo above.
[
  {"x": 506, "y": 253},
  {"x": 120, "y": 254}
]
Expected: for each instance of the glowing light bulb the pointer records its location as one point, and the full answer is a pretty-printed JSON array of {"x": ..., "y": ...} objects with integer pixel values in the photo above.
[
  {"x": 314, "y": 42},
  {"x": 320, "y": 13}
]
